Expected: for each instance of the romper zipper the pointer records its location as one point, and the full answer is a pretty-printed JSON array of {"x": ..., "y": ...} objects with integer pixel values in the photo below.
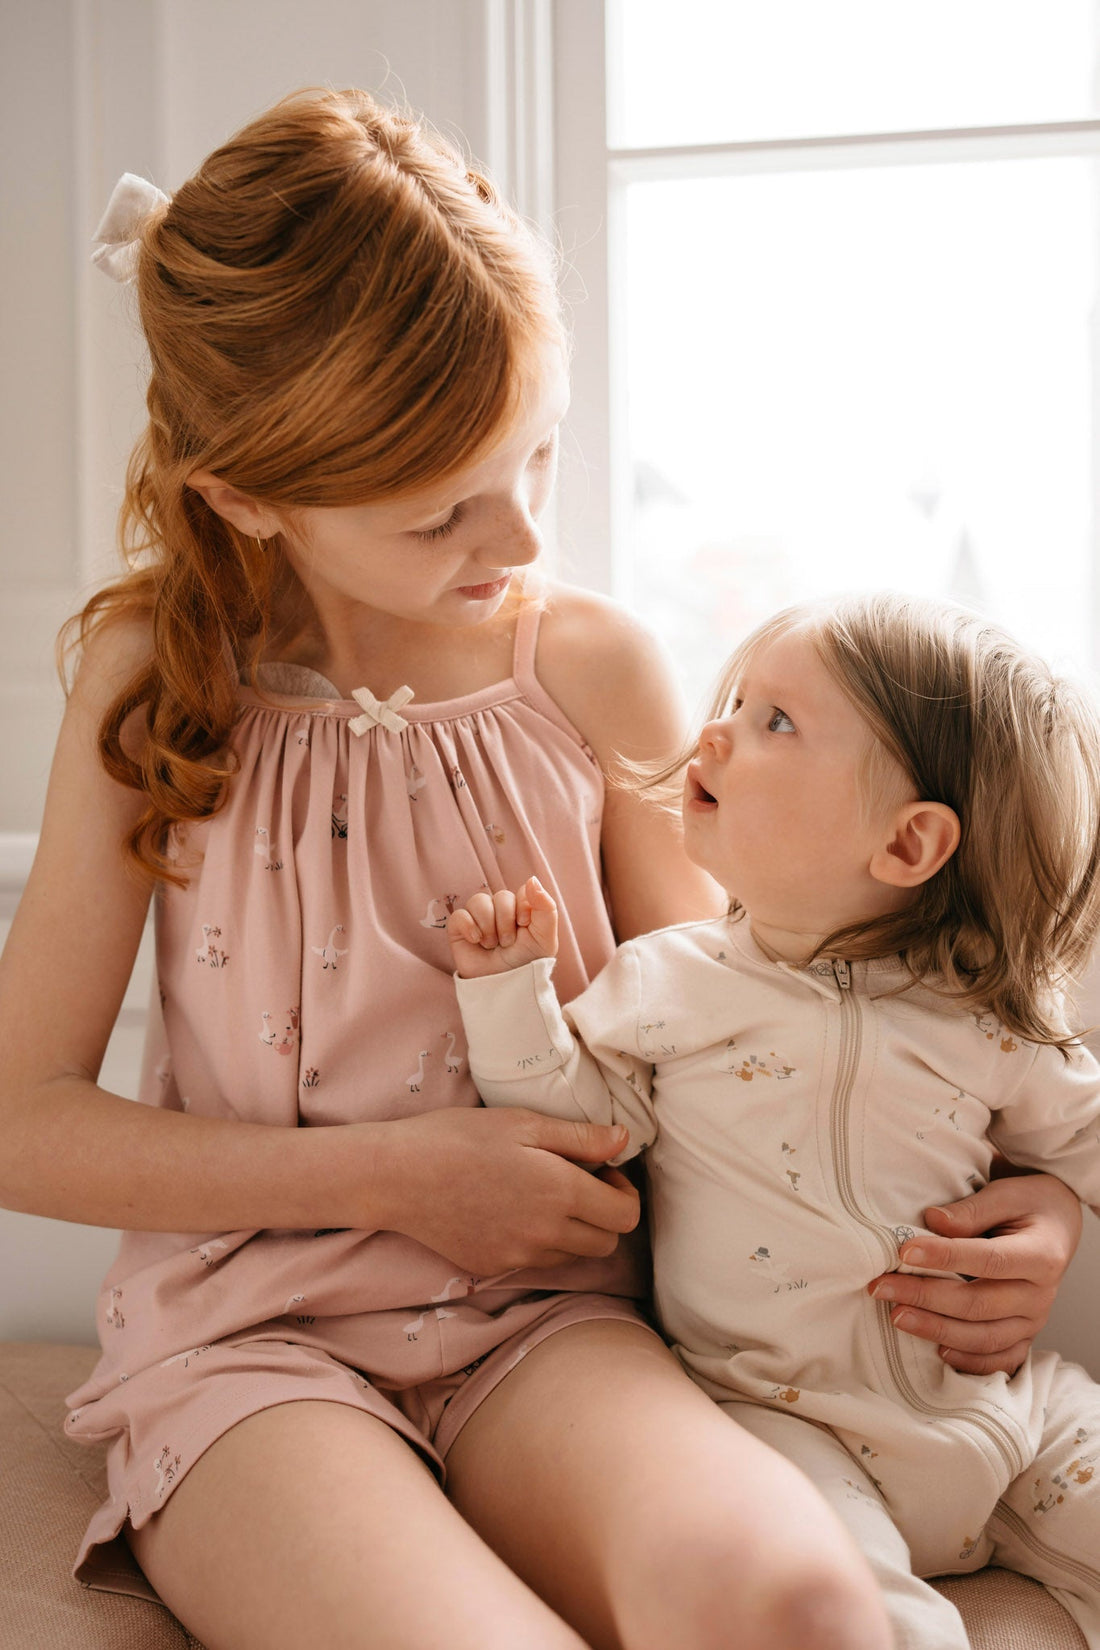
[{"x": 851, "y": 1048}]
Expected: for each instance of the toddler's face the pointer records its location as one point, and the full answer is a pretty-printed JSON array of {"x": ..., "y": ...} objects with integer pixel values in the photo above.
[{"x": 774, "y": 802}]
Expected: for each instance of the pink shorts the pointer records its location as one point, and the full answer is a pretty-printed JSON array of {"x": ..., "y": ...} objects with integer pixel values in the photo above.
[{"x": 248, "y": 1374}]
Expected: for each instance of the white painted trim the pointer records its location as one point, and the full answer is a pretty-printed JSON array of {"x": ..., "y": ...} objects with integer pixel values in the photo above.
[
  {"x": 519, "y": 115},
  {"x": 585, "y": 501},
  {"x": 986, "y": 143}
]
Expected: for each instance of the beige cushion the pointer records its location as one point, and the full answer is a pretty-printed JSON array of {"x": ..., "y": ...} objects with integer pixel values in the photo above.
[
  {"x": 1004, "y": 1611},
  {"x": 49, "y": 1487}
]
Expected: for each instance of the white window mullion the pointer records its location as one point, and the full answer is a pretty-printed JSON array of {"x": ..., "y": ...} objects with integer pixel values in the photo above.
[{"x": 586, "y": 504}]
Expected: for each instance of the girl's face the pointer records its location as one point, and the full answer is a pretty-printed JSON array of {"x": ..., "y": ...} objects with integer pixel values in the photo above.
[
  {"x": 446, "y": 554},
  {"x": 774, "y": 804}
]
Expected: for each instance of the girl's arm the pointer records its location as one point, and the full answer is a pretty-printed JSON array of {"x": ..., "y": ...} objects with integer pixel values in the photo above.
[
  {"x": 488, "y": 1189},
  {"x": 617, "y": 687}
]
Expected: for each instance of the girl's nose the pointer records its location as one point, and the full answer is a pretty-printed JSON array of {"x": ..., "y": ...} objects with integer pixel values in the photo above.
[{"x": 513, "y": 539}]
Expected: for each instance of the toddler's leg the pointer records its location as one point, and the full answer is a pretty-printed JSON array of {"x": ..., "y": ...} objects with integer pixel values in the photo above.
[
  {"x": 1047, "y": 1524},
  {"x": 625, "y": 1497},
  {"x": 920, "y": 1617}
]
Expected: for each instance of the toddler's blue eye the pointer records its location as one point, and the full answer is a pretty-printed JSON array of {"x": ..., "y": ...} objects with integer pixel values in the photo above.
[{"x": 780, "y": 722}]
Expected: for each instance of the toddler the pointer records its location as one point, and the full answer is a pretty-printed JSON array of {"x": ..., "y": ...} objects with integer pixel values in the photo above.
[{"x": 905, "y": 807}]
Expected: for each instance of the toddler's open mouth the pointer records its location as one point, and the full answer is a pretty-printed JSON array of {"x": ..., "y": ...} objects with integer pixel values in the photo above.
[{"x": 696, "y": 791}]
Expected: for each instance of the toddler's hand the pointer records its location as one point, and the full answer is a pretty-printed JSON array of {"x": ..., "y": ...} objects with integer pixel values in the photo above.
[{"x": 495, "y": 932}]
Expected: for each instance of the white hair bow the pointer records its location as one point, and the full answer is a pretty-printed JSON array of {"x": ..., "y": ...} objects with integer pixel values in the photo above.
[
  {"x": 132, "y": 203},
  {"x": 382, "y": 712}
]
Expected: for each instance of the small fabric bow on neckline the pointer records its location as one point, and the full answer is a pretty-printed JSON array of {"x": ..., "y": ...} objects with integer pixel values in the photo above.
[
  {"x": 118, "y": 237},
  {"x": 380, "y": 712}
]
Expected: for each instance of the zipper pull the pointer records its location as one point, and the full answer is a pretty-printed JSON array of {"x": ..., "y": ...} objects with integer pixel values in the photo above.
[{"x": 843, "y": 974}]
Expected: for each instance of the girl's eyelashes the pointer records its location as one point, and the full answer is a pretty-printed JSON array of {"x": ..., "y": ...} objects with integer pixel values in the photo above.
[
  {"x": 428, "y": 534},
  {"x": 780, "y": 722}
]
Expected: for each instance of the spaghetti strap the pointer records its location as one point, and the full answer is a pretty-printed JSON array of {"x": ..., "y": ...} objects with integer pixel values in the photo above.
[{"x": 527, "y": 636}]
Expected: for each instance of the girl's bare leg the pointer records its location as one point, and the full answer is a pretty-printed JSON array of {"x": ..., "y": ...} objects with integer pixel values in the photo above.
[
  {"x": 314, "y": 1524},
  {"x": 634, "y": 1506}
]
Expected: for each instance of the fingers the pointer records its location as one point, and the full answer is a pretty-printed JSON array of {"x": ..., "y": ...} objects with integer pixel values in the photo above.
[
  {"x": 954, "y": 1298},
  {"x": 486, "y": 919},
  {"x": 1018, "y": 1201},
  {"x": 971, "y": 1363},
  {"x": 580, "y": 1142},
  {"x": 976, "y": 1336}
]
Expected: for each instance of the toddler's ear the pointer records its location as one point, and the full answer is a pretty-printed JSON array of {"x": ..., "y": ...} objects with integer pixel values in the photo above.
[{"x": 922, "y": 837}]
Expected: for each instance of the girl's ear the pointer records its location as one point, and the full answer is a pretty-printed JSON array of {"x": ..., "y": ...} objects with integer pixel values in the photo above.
[
  {"x": 922, "y": 838},
  {"x": 235, "y": 507}
]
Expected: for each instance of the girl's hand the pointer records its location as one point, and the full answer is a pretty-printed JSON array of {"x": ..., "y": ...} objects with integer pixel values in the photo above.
[
  {"x": 1015, "y": 1238},
  {"x": 497, "y": 1190},
  {"x": 495, "y": 932}
]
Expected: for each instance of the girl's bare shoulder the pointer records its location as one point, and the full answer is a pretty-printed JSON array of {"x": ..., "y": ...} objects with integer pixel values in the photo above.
[{"x": 609, "y": 673}]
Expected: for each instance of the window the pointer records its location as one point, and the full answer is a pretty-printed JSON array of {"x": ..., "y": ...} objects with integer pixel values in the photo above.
[{"x": 849, "y": 258}]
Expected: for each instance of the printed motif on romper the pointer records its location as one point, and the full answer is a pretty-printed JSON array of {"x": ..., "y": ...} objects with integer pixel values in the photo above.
[
  {"x": 206, "y": 1251},
  {"x": 866, "y": 1456},
  {"x": 311, "y": 1078},
  {"x": 755, "y": 1065},
  {"x": 1080, "y": 1471},
  {"x": 330, "y": 953},
  {"x": 970, "y": 1543},
  {"x": 468, "y": 1287},
  {"x": 776, "y": 1272},
  {"x": 991, "y": 1028},
  {"x": 785, "y": 1394},
  {"x": 264, "y": 848},
  {"x": 414, "y": 782},
  {"x": 209, "y": 952},
  {"x": 438, "y": 911},
  {"x": 340, "y": 817},
  {"x": 793, "y": 1176},
  {"x": 646, "y": 1043},
  {"x": 940, "y": 1114},
  {"x": 281, "y": 1036},
  {"x": 494, "y": 833},
  {"x": 166, "y": 1467},
  {"x": 113, "y": 1315}
]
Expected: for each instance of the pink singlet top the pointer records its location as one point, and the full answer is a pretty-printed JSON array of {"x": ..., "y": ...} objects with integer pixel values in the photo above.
[{"x": 306, "y": 979}]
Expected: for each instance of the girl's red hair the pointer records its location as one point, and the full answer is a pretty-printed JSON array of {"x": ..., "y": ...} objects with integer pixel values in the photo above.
[{"x": 337, "y": 311}]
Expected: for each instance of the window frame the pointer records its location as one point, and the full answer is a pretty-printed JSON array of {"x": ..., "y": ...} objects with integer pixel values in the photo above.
[{"x": 591, "y": 178}]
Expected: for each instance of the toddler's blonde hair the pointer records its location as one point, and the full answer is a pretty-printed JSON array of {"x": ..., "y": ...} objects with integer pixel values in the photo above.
[{"x": 979, "y": 723}]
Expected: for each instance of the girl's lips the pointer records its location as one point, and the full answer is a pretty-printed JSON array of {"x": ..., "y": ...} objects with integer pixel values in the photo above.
[{"x": 485, "y": 592}]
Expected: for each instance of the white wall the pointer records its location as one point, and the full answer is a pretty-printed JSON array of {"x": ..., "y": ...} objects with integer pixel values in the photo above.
[{"x": 90, "y": 89}]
